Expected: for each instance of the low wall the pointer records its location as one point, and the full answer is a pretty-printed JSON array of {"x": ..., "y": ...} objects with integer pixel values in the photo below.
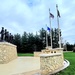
[
  {"x": 50, "y": 62},
  {"x": 7, "y": 52},
  {"x": 48, "y": 51},
  {"x": 37, "y": 54}
]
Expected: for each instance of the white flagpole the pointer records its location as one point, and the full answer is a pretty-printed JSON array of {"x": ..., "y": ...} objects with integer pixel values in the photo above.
[
  {"x": 58, "y": 27},
  {"x": 50, "y": 28},
  {"x": 46, "y": 38},
  {"x": 65, "y": 45}
]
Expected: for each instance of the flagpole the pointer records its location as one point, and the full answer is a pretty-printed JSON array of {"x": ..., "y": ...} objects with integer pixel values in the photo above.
[
  {"x": 50, "y": 28},
  {"x": 46, "y": 38},
  {"x": 58, "y": 27},
  {"x": 65, "y": 45}
]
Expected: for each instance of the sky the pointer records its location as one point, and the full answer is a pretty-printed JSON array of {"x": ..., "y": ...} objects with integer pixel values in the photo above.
[{"x": 18, "y": 16}]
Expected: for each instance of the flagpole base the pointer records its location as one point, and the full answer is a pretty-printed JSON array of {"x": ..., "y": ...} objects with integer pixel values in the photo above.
[{"x": 48, "y": 47}]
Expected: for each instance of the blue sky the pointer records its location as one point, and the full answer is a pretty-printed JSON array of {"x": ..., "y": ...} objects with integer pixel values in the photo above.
[{"x": 18, "y": 16}]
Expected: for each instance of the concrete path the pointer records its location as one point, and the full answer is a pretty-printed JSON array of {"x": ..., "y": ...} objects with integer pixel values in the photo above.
[{"x": 20, "y": 65}]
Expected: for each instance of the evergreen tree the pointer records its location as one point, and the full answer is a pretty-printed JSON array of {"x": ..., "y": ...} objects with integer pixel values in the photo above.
[
  {"x": 43, "y": 38},
  {"x": 25, "y": 42},
  {"x": 69, "y": 46},
  {"x": 38, "y": 42},
  {"x": 31, "y": 42},
  {"x": 17, "y": 42},
  {"x": 55, "y": 38}
]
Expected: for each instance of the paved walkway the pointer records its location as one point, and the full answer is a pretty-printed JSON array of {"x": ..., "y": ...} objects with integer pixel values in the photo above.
[
  {"x": 25, "y": 66},
  {"x": 20, "y": 65}
]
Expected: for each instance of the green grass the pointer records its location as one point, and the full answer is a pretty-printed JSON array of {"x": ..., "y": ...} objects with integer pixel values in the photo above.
[
  {"x": 25, "y": 54},
  {"x": 70, "y": 56}
]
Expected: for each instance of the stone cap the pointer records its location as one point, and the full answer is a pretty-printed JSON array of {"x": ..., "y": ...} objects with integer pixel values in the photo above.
[
  {"x": 53, "y": 54},
  {"x": 58, "y": 48},
  {"x": 7, "y": 43}
]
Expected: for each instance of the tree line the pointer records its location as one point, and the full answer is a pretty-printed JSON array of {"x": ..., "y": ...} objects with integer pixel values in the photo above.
[{"x": 28, "y": 42}]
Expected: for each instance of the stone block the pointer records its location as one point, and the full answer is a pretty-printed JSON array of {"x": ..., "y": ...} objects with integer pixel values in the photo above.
[
  {"x": 7, "y": 52},
  {"x": 50, "y": 62}
]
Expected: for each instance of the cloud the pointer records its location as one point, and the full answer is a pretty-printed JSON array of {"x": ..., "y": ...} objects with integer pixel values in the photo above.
[{"x": 31, "y": 15}]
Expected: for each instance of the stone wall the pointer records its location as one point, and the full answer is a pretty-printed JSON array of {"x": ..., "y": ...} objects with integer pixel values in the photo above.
[
  {"x": 37, "y": 54},
  {"x": 50, "y": 62},
  {"x": 7, "y": 52}
]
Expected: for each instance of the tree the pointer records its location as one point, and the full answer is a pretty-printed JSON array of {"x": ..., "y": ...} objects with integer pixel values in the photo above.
[
  {"x": 69, "y": 46},
  {"x": 31, "y": 42},
  {"x": 24, "y": 42},
  {"x": 74, "y": 48},
  {"x": 42, "y": 38},
  {"x": 38, "y": 42},
  {"x": 55, "y": 37},
  {"x": 17, "y": 42}
]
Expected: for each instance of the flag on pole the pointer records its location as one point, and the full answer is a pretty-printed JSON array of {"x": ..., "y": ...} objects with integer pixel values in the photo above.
[
  {"x": 58, "y": 13},
  {"x": 51, "y": 15},
  {"x": 48, "y": 29},
  {"x": 58, "y": 16}
]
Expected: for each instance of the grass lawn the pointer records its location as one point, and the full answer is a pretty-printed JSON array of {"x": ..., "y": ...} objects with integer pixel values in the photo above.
[
  {"x": 25, "y": 54},
  {"x": 71, "y": 69}
]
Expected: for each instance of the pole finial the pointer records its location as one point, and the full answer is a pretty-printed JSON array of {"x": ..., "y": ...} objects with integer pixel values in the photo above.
[{"x": 56, "y": 6}]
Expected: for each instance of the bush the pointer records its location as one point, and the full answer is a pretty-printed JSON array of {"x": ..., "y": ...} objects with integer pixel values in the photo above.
[{"x": 73, "y": 49}]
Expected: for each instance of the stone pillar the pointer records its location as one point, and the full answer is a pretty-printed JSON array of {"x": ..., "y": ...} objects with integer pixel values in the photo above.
[
  {"x": 7, "y": 52},
  {"x": 50, "y": 62}
]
